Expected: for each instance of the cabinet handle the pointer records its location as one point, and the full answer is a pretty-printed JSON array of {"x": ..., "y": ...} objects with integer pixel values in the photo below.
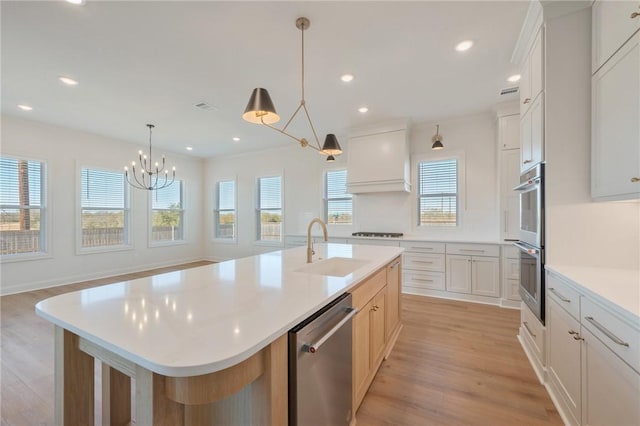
[
  {"x": 527, "y": 161},
  {"x": 635, "y": 179},
  {"x": 526, "y": 101},
  {"x": 573, "y": 332},
  {"x": 394, "y": 265},
  {"x": 577, "y": 337},
  {"x": 422, "y": 280},
  {"x": 506, "y": 216},
  {"x": 606, "y": 332},
  {"x": 635, "y": 15},
  {"x": 564, "y": 299},
  {"x": 528, "y": 329},
  {"x": 472, "y": 250},
  {"x": 421, "y": 261}
]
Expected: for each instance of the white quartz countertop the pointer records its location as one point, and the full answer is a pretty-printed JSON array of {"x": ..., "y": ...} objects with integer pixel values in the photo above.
[
  {"x": 618, "y": 286},
  {"x": 205, "y": 319}
]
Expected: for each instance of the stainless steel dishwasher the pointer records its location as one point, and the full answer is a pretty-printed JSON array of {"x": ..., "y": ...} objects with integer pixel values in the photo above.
[{"x": 320, "y": 367}]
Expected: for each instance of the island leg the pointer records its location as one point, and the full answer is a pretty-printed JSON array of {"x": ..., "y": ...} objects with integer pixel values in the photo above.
[
  {"x": 152, "y": 405},
  {"x": 74, "y": 384},
  {"x": 116, "y": 397}
]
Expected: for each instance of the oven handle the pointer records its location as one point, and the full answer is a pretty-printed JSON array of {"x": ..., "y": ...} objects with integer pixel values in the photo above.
[
  {"x": 527, "y": 185},
  {"x": 527, "y": 249}
]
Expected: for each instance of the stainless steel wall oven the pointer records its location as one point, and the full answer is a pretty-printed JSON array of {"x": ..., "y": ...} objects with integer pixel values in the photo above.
[{"x": 532, "y": 278}]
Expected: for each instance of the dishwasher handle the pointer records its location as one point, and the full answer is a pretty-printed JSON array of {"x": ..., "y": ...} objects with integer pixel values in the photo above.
[{"x": 313, "y": 347}]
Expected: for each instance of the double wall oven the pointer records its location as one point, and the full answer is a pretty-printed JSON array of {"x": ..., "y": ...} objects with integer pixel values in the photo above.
[{"x": 531, "y": 244}]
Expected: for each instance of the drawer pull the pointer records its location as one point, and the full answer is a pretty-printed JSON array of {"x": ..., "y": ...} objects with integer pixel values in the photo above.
[
  {"x": 606, "y": 332},
  {"x": 528, "y": 329},
  {"x": 421, "y": 261},
  {"x": 573, "y": 332},
  {"x": 577, "y": 337},
  {"x": 526, "y": 101},
  {"x": 422, "y": 280},
  {"x": 564, "y": 299},
  {"x": 473, "y": 250},
  {"x": 394, "y": 265},
  {"x": 635, "y": 15},
  {"x": 527, "y": 161},
  {"x": 635, "y": 179},
  {"x": 422, "y": 248}
]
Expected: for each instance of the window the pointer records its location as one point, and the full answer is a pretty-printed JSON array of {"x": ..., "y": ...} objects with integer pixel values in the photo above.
[
  {"x": 270, "y": 209},
  {"x": 104, "y": 209},
  {"x": 167, "y": 213},
  {"x": 225, "y": 213},
  {"x": 22, "y": 206},
  {"x": 438, "y": 193},
  {"x": 337, "y": 202}
]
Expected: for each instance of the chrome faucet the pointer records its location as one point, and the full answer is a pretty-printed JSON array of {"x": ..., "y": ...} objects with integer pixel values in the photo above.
[{"x": 310, "y": 251}]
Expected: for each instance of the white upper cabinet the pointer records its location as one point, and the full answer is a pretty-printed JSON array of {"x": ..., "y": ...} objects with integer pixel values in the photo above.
[
  {"x": 531, "y": 81},
  {"x": 378, "y": 162},
  {"x": 510, "y": 199},
  {"x": 509, "y": 132},
  {"x": 615, "y": 121},
  {"x": 613, "y": 23}
]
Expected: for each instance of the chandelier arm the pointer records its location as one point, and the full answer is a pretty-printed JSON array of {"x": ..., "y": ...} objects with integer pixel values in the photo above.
[
  {"x": 140, "y": 185},
  {"x": 313, "y": 129},
  {"x": 293, "y": 115},
  {"x": 135, "y": 185},
  {"x": 300, "y": 141}
]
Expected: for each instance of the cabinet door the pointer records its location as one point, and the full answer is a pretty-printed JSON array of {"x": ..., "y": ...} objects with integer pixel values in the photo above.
[
  {"x": 459, "y": 273},
  {"x": 509, "y": 131},
  {"x": 610, "y": 388},
  {"x": 536, "y": 66},
  {"x": 485, "y": 276},
  {"x": 525, "y": 87},
  {"x": 512, "y": 289},
  {"x": 564, "y": 357},
  {"x": 537, "y": 131},
  {"x": 361, "y": 352},
  {"x": 612, "y": 25},
  {"x": 510, "y": 199},
  {"x": 378, "y": 329},
  {"x": 393, "y": 297},
  {"x": 526, "y": 160},
  {"x": 615, "y": 133}
]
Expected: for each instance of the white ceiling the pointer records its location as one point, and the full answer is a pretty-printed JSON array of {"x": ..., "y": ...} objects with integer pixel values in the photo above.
[{"x": 151, "y": 61}]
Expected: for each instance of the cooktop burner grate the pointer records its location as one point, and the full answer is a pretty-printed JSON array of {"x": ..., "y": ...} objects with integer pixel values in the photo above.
[{"x": 378, "y": 234}]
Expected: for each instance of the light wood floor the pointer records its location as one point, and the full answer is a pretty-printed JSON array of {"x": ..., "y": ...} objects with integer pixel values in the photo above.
[{"x": 455, "y": 363}]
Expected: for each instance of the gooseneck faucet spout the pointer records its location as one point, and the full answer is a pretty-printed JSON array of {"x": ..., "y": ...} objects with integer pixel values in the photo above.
[{"x": 324, "y": 230}]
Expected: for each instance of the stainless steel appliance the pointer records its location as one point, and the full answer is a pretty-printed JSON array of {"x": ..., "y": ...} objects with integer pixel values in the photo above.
[
  {"x": 320, "y": 366},
  {"x": 531, "y": 190},
  {"x": 532, "y": 278}
]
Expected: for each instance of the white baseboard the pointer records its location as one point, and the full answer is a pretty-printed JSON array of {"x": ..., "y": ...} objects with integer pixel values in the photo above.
[
  {"x": 495, "y": 301},
  {"x": 538, "y": 368}
]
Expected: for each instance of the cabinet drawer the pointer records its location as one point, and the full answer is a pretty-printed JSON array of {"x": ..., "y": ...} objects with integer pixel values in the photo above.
[
  {"x": 369, "y": 288},
  {"x": 473, "y": 249},
  {"x": 424, "y": 262},
  {"x": 511, "y": 251},
  {"x": 617, "y": 334},
  {"x": 423, "y": 247},
  {"x": 374, "y": 242},
  {"x": 563, "y": 293},
  {"x": 428, "y": 280},
  {"x": 533, "y": 332}
]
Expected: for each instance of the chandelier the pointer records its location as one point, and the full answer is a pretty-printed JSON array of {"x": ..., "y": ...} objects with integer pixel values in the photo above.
[
  {"x": 260, "y": 110},
  {"x": 149, "y": 176}
]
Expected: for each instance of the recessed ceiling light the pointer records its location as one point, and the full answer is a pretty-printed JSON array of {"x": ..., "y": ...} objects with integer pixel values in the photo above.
[
  {"x": 189, "y": 148},
  {"x": 236, "y": 139},
  {"x": 346, "y": 78},
  {"x": 25, "y": 107},
  {"x": 68, "y": 81},
  {"x": 363, "y": 109},
  {"x": 464, "y": 45},
  {"x": 514, "y": 78},
  {"x": 77, "y": 2}
]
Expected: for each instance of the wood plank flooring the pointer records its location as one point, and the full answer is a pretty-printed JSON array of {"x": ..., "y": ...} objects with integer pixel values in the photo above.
[{"x": 455, "y": 363}]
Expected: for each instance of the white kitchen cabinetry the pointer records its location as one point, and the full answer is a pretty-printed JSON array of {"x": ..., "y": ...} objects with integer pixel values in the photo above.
[
  {"x": 613, "y": 23},
  {"x": 510, "y": 276},
  {"x": 473, "y": 269},
  {"x": 508, "y": 131},
  {"x": 509, "y": 143},
  {"x": 532, "y": 339},
  {"x": 615, "y": 132},
  {"x": 532, "y": 105},
  {"x": 423, "y": 267},
  {"x": 378, "y": 161},
  {"x": 374, "y": 241}
]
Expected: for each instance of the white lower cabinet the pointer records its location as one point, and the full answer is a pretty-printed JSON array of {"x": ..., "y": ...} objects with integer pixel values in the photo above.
[
  {"x": 532, "y": 339},
  {"x": 611, "y": 389},
  {"x": 473, "y": 275},
  {"x": 459, "y": 273}
]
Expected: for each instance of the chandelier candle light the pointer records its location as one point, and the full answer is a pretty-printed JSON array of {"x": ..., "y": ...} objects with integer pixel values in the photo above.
[
  {"x": 260, "y": 110},
  {"x": 150, "y": 173}
]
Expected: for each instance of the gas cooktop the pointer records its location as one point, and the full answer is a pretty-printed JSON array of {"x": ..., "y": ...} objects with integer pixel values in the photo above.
[{"x": 378, "y": 234}]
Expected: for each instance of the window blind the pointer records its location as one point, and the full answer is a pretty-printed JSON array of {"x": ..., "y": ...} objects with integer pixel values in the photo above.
[
  {"x": 270, "y": 208},
  {"x": 338, "y": 203},
  {"x": 225, "y": 214},
  {"x": 167, "y": 214},
  {"x": 438, "y": 192}
]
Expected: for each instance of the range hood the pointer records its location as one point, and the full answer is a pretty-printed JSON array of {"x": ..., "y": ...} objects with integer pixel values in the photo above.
[{"x": 378, "y": 160}]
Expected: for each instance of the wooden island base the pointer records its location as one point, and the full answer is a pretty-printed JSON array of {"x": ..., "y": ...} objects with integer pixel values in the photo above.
[{"x": 255, "y": 391}]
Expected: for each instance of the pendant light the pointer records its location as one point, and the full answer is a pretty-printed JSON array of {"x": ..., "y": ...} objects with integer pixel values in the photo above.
[
  {"x": 260, "y": 110},
  {"x": 149, "y": 178},
  {"x": 437, "y": 139}
]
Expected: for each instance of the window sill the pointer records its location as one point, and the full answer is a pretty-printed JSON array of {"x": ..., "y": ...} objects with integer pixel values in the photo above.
[
  {"x": 103, "y": 249},
  {"x": 268, "y": 243},
  {"x": 225, "y": 241},
  {"x": 24, "y": 257},
  {"x": 155, "y": 244}
]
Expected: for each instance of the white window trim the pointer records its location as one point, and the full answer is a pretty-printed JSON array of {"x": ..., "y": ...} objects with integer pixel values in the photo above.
[
  {"x": 216, "y": 199},
  {"x": 415, "y": 219},
  {"x": 183, "y": 204},
  {"x": 337, "y": 227},
  {"x": 256, "y": 215},
  {"x": 45, "y": 201},
  {"x": 78, "y": 212}
]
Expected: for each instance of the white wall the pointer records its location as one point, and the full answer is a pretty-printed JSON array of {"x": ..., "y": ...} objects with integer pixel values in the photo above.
[
  {"x": 474, "y": 137},
  {"x": 64, "y": 151},
  {"x": 579, "y": 232}
]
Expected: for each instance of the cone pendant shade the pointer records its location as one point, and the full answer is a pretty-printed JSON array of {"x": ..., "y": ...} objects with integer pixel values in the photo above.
[
  {"x": 260, "y": 108},
  {"x": 331, "y": 145}
]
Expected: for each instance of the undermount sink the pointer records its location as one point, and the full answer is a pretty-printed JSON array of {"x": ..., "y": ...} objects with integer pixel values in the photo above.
[{"x": 333, "y": 267}]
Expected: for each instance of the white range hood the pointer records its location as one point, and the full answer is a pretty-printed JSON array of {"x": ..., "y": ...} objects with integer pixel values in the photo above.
[{"x": 378, "y": 159}]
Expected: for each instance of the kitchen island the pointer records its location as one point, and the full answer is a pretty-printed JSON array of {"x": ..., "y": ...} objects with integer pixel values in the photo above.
[{"x": 204, "y": 344}]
